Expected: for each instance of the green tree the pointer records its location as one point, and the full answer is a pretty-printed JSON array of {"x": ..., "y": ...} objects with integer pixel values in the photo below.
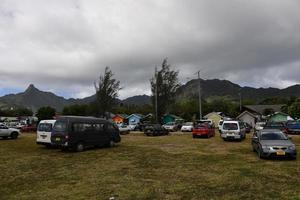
[
  {"x": 77, "y": 110},
  {"x": 294, "y": 109},
  {"x": 45, "y": 113},
  {"x": 106, "y": 91},
  {"x": 164, "y": 85}
]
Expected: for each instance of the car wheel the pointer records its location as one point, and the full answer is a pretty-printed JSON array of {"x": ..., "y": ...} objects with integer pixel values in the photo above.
[
  {"x": 14, "y": 135},
  {"x": 79, "y": 147},
  {"x": 259, "y": 153},
  {"x": 112, "y": 143}
]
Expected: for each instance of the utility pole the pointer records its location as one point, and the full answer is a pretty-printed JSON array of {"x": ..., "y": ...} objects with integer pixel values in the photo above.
[
  {"x": 156, "y": 109},
  {"x": 240, "y": 95},
  {"x": 199, "y": 88}
]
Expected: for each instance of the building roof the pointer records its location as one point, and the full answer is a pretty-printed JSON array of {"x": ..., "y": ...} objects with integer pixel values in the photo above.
[
  {"x": 174, "y": 116},
  {"x": 246, "y": 112},
  {"x": 217, "y": 113},
  {"x": 259, "y": 109},
  {"x": 124, "y": 116},
  {"x": 135, "y": 114}
]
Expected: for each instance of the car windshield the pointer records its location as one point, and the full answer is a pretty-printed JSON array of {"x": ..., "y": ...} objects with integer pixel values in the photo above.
[
  {"x": 60, "y": 126},
  {"x": 273, "y": 136},
  {"x": 46, "y": 127},
  {"x": 230, "y": 126},
  {"x": 188, "y": 124},
  {"x": 201, "y": 126},
  {"x": 275, "y": 125}
]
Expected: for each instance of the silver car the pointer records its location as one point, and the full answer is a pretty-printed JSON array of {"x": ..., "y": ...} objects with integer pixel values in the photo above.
[
  {"x": 273, "y": 143},
  {"x": 6, "y": 132}
]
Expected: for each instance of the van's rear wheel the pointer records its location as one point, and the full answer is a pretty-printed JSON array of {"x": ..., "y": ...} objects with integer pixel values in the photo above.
[
  {"x": 14, "y": 135},
  {"x": 79, "y": 147},
  {"x": 112, "y": 143}
]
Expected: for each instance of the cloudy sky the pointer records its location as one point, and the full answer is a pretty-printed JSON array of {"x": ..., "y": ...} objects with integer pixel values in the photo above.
[{"x": 64, "y": 45}]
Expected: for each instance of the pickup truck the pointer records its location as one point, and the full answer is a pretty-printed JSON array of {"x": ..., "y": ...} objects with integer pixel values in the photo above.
[
  {"x": 293, "y": 127},
  {"x": 6, "y": 132}
]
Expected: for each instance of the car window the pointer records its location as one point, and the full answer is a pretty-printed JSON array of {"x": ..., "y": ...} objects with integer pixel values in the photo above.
[
  {"x": 273, "y": 136},
  {"x": 60, "y": 126},
  {"x": 46, "y": 127},
  {"x": 230, "y": 126}
]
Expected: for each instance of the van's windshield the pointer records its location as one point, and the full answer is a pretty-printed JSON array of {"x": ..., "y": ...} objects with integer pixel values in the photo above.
[
  {"x": 230, "y": 126},
  {"x": 46, "y": 127},
  {"x": 60, "y": 126}
]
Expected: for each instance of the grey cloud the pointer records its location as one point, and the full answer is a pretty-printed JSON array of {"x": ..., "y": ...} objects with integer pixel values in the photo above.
[{"x": 65, "y": 45}]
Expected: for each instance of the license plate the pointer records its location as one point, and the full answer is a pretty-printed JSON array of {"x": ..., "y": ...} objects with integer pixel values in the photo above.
[
  {"x": 280, "y": 153},
  {"x": 57, "y": 139}
]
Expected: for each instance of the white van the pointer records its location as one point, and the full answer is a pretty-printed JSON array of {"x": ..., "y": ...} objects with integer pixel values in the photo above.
[
  {"x": 233, "y": 130},
  {"x": 44, "y": 130}
]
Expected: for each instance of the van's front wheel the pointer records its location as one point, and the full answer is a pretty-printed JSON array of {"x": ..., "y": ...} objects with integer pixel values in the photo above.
[{"x": 79, "y": 147}]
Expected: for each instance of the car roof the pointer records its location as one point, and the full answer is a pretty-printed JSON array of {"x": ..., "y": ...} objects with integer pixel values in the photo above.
[
  {"x": 270, "y": 130},
  {"x": 231, "y": 121},
  {"x": 48, "y": 121}
]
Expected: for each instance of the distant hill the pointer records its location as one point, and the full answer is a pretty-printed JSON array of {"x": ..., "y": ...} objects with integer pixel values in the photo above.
[
  {"x": 138, "y": 100},
  {"x": 216, "y": 87},
  {"x": 33, "y": 98}
]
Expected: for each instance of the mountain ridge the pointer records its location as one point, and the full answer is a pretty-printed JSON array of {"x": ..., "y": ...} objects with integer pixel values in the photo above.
[{"x": 33, "y": 98}]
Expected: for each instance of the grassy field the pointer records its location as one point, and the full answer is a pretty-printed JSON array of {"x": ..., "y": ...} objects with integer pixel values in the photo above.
[{"x": 140, "y": 167}]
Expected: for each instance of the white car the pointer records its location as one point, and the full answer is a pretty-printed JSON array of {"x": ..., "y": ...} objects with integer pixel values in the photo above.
[
  {"x": 233, "y": 130},
  {"x": 187, "y": 127},
  {"x": 6, "y": 132},
  {"x": 220, "y": 124},
  {"x": 124, "y": 129},
  {"x": 259, "y": 126},
  {"x": 44, "y": 130},
  {"x": 171, "y": 126}
]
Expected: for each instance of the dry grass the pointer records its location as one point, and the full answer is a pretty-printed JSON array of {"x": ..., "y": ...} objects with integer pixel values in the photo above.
[{"x": 167, "y": 167}]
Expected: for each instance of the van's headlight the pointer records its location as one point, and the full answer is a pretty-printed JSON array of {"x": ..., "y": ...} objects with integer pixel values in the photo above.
[{"x": 293, "y": 147}]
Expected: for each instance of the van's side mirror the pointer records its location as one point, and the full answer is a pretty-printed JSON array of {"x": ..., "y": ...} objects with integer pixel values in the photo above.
[{"x": 289, "y": 137}]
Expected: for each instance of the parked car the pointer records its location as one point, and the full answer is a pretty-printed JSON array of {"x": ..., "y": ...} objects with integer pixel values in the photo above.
[
  {"x": 220, "y": 125},
  {"x": 132, "y": 126},
  {"x": 293, "y": 127},
  {"x": 259, "y": 126},
  {"x": 233, "y": 130},
  {"x": 155, "y": 130},
  {"x": 273, "y": 143},
  {"x": 187, "y": 127},
  {"x": 275, "y": 125},
  {"x": 29, "y": 128},
  {"x": 203, "y": 130},
  {"x": 77, "y": 133},
  {"x": 202, "y": 121},
  {"x": 247, "y": 127},
  {"x": 44, "y": 129},
  {"x": 171, "y": 126},
  {"x": 6, "y": 132},
  {"x": 124, "y": 129}
]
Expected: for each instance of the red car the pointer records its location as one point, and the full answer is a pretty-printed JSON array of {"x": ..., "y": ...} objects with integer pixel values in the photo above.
[
  {"x": 203, "y": 130},
  {"x": 28, "y": 128}
]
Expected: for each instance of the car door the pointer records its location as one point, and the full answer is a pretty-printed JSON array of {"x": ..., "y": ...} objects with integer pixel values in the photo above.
[
  {"x": 109, "y": 133},
  {"x": 3, "y": 130},
  {"x": 255, "y": 141}
]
